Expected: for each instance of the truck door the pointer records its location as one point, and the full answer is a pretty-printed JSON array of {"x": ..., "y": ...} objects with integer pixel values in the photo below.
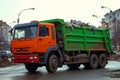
[{"x": 44, "y": 40}]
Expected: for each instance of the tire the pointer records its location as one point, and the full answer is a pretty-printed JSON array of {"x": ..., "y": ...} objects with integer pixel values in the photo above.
[
  {"x": 52, "y": 63},
  {"x": 93, "y": 61},
  {"x": 73, "y": 66},
  {"x": 102, "y": 60},
  {"x": 31, "y": 67}
]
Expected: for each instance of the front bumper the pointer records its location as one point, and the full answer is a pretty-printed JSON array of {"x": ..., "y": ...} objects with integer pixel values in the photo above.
[{"x": 25, "y": 58}]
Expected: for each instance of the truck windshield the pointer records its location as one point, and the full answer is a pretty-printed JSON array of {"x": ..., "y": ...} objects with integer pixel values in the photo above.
[{"x": 25, "y": 32}]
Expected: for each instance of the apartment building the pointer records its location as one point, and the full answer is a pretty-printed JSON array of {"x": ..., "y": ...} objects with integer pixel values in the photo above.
[
  {"x": 4, "y": 35},
  {"x": 113, "y": 20}
]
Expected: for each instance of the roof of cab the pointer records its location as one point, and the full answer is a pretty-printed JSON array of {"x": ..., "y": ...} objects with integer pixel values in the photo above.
[
  {"x": 26, "y": 24},
  {"x": 33, "y": 23}
]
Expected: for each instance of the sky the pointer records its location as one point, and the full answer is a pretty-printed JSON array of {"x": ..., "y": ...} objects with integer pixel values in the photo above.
[{"x": 50, "y": 9}]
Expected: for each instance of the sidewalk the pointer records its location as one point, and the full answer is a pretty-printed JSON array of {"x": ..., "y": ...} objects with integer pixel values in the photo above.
[
  {"x": 115, "y": 57},
  {"x": 5, "y": 62}
]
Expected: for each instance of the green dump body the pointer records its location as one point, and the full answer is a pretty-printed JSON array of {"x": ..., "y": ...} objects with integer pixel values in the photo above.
[{"x": 83, "y": 38}]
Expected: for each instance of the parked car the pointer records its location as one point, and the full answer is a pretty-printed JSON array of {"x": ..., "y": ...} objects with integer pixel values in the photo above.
[{"x": 5, "y": 54}]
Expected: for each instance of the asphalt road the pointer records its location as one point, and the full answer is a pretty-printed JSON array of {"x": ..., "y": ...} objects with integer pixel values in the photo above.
[{"x": 18, "y": 72}]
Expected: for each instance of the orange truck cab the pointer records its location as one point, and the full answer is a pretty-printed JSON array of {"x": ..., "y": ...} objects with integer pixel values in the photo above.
[{"x": 32, "y": 44}]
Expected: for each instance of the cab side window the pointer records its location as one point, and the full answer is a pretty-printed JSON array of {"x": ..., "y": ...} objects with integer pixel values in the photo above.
[{"x": 44, "y": 31}]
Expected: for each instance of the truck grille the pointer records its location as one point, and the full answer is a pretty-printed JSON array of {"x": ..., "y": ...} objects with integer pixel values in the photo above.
[{"x": 25, "y": 49}]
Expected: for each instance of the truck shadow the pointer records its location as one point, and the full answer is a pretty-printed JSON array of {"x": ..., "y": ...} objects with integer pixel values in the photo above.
[{"x": 65, "y": 74}]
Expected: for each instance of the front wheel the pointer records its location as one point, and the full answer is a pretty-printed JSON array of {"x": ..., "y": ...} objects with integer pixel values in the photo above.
[
  {"x": 31, "y": 67},
  {"x": 52, "y": 63}
]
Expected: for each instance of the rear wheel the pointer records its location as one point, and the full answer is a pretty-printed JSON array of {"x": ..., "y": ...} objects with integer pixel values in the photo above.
[
  {"x": 93, "y": 62},
  {"x": 73, "y": 66},
  {"x": 102, "y": 60},
  {"x": 52, "y": 63},
  {"x": 31, "y": 67}
]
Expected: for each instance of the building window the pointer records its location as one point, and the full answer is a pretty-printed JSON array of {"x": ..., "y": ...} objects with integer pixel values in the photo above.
[
  {"x": 110, "y": 17},
  {"x": 118, "y": 15}
]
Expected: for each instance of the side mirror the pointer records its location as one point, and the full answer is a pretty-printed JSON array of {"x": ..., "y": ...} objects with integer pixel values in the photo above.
[{"x": 11, "y": 32}]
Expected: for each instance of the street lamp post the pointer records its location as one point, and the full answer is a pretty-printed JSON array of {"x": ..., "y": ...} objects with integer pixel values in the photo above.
[
  {"x": 106, "y": 8},
  {"x": 18, "y": 20},
  {"x": 103, "y": 7}
]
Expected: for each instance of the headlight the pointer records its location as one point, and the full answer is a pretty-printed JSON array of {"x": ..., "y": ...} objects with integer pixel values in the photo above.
[{"x": 31, "y": 57}]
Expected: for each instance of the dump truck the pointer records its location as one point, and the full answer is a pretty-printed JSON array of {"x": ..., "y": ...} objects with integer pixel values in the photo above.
[{"x": 52, "y": 43}]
